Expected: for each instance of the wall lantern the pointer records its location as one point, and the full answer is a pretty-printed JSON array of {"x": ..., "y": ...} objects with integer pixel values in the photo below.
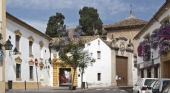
[{"x": 8, "y": 46}]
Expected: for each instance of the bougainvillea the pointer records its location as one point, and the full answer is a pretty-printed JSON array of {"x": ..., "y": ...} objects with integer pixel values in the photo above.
[
  {"x": 154, "y": 40},
  {"x": 140, "y": 49},
  {"x": 146, "y": 50},
  {"x": 164, "y": 38}
]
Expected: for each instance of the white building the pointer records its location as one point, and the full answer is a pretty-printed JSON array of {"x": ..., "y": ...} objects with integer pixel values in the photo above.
[
  {"x": 151, "y": 63},
  {"x": 31, "y": 45},
  {"x": 109, "y": 70}
]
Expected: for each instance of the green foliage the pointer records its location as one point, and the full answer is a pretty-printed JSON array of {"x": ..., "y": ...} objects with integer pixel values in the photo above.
[
  {"x": 54, "y": 25},
  {"x": 89, "y": 19},
  {"x": 85, "y": 60},
  {"x": 71, "y": 51}
]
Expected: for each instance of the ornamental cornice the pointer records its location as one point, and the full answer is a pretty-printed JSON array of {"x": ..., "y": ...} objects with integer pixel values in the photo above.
[
  {"x": 31, "y": 39},
  {"x": 41, "y": 43},
  {"x": 31, "y": 62},
  {"x": 17, "y": 32},
  {"x": 18, "y": 59}
]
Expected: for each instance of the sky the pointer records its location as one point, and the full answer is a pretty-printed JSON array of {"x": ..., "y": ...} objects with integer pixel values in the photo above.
[{"x": 37, "y": 12}]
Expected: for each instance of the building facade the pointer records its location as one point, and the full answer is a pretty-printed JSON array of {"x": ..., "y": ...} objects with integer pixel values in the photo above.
[
  {"x": 29, "y": 46},
  {"x": 153, "y": 54},
  {"x": 115, "y": 55},
  {"x": 3, "y": 35}
]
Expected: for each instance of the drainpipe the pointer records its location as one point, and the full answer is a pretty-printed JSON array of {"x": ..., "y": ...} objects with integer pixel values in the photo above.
[{"x": 49, "y": 47}]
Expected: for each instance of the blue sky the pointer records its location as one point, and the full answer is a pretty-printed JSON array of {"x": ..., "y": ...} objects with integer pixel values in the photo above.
[{"x": 37, "y": 12}]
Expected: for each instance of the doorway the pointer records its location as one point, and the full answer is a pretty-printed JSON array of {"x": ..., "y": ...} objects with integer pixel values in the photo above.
[
  {"x": 64, "y": 76},
  {"x": 166, "y": 69},
  {"x": 121, "y": 70}
]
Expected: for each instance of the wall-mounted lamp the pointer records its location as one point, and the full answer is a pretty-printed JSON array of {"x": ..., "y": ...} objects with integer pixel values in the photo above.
[
  {"x": 7, "y": 45},
  {"x": 14, "y": 52}
]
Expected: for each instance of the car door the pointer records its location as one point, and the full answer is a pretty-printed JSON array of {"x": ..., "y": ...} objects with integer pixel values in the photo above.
[{"x": 135, "y": 88}]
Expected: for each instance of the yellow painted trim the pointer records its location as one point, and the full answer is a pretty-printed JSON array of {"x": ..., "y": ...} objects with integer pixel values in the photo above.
[
  {"x": 19, "y": 53},
  {"x": 146, "y": 36},
  {"x": 31, "y": 62},
  {"x": 56, "y": 68},
  {"x": 31, "y": 79},
  {"x": 17, "y": 32},
  {"x": 21, "y": 85},
  {"x": 18, "y": 59},
  {"x": 166, "y": 18},
  {"x": 41, "y": 43},
  {"x": 41, "y": 64},
  {"x": 18, "y": 79},
  {"x": 41, "y": 59},
  {"x": 55, "y": 55},
  {"x": 30, "y": 55},
  {"x": 31, "y": 39}
]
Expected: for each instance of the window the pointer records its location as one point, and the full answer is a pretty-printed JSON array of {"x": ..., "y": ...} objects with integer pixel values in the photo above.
[
  {"x": 17, "y": 40},
  {"x": 98, "y": 76},
  {"x": 156, "y": 72},
  {"x": 149, "y": 73},
  {"x": 31, "y": 72},
  {"x": 98, "y": 54},
  {"x": 18, "y": 70},
  {"x": 30, "y": 47}
]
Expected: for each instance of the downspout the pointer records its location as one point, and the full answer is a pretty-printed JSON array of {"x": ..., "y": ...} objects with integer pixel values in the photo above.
[{"x": 49, "y": 47}]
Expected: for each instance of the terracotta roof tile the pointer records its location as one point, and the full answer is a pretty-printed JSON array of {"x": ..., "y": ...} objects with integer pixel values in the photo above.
[
  {"x": 129, "y": 21},
  {"x": 84, "y": 38}
]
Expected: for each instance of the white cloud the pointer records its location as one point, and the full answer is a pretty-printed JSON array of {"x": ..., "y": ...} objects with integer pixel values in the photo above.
[
  {"x": 41, "y": 25},
  {"x": 38, "y": 24},
  {"x": 103, "y": 6}
]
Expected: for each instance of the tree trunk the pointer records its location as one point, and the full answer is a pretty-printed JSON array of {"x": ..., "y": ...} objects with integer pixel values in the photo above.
[
  {"x": 81, "y": 80},
  {"x": 73, "y": 79}
]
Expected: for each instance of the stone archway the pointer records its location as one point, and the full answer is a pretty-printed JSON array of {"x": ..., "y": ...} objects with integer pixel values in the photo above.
[{"x": 56, "y": 70}]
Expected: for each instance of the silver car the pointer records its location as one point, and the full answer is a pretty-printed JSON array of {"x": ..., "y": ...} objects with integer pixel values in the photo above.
[{"x": 158, "y": 85}]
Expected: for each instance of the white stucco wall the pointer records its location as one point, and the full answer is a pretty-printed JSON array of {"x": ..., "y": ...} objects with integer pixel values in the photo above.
[
  {"x": 10, "y": 66},
  {"x": 156, "y": 56},
  {"x": 102, "y": 65}
]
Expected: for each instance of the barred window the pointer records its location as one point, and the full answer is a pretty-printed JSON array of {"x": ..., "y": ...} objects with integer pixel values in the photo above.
[
  {"x": 30, "y": 47},
  {"x": 98, "y": 76},
  {"x": 18, "y": 70},
  {"x": 31, "y": 72},
  {"x": 98, "y": 54},
  {"x": 17, "y": 42}
]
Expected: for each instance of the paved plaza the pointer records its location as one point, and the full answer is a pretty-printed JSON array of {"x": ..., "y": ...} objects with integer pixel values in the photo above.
[{"x": 78, "y": 90}]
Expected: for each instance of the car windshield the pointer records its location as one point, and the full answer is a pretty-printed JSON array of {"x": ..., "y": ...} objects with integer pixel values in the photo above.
[
  {"x": 148, "y": 81},
  {"x": 165, "y": 83}
]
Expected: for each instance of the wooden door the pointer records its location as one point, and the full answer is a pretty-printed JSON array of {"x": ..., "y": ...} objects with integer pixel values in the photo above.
[{"x": 121, "y": 71}]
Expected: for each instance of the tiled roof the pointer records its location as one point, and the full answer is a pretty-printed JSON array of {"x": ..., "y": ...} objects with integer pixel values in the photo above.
[
  {"x": 129, "y": 21},
  {"x": 84, "y": 38}
]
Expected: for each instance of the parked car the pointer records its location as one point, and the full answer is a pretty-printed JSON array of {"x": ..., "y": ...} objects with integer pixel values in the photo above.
[
  {"x": 63, "y": 79},
  {"x": 166, "y": 89},
  {"x": 158, "y": 85},
  {"x": 141, "y": 85}
]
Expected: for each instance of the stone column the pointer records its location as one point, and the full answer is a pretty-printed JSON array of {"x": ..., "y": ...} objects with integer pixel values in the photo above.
[
  {"x": 3, "y": 32},
  {"x": 130, "y": 70},
  {"x": 113, "y": 68}
]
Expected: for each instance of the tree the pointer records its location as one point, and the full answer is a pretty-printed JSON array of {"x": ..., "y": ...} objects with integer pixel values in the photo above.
[
  {"x": 55, "y": 25},
  {"x": 86, "y": 59},
  {"x": 70, "y": 50},
  {"x": 89, "y": 19}
]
